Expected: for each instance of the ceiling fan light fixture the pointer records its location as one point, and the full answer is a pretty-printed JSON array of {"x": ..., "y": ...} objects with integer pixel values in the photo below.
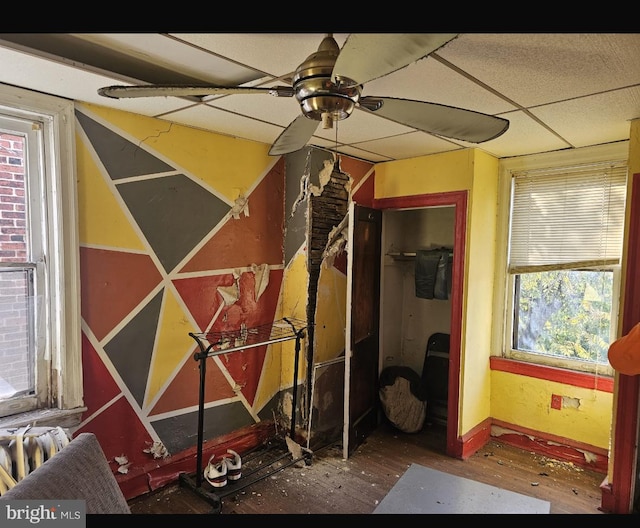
[{"x": 338, "y": 107}]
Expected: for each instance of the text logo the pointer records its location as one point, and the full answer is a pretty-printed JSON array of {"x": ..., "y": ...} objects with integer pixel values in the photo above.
[{"x": 43, "y": 513}]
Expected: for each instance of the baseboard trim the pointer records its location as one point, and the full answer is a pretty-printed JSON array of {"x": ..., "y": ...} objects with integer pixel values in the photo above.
[
  {"x": 583, "y": 455},
  {"x": 153, "y": 476},
  {"x": 475, "y": 438}
]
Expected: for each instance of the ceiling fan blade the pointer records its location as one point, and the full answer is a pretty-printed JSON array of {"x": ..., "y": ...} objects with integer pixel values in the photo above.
[
  {"x": 367, "y": 56},
  {"x": 179, "y": 90},
  {"x": 447, "y": 121},
  {"x": 295, "y": 136}
]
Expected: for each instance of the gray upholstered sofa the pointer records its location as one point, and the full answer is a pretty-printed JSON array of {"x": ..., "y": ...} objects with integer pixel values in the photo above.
[{"x": 79, "y": 471}]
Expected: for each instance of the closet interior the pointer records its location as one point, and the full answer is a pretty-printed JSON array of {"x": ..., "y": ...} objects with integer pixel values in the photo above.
[{"x": 417, "y": 247}]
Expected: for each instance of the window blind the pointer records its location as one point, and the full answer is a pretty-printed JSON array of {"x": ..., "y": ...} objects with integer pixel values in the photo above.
[{"x": 567, "y": 217}]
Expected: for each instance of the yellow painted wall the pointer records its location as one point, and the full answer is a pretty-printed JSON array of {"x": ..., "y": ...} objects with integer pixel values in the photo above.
[
  {"x": 229, "y": 164},
  {"x": 451, "y": 171},
  {"x": 477, "y": 172},
  {"x": 522, "y": 400},
  {"x": 331, "y": 314},
  {"x": 475, "y": 405},
  {"x": 294, "y": 299},
  {"x": 97, "y": 201}
]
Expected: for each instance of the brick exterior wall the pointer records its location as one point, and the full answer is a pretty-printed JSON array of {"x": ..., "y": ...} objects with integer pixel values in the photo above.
[{"x": 14, "y": 345}]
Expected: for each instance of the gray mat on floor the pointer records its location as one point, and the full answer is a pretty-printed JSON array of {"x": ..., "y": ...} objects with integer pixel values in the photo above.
[{"x": 425, "y": 490}]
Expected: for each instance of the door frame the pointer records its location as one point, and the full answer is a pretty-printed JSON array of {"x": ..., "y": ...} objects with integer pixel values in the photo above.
[
  {"x": 459, "y": 200},
  {"x": 619, "y": 495}
]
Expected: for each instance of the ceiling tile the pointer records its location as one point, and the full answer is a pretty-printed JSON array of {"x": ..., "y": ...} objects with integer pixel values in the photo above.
[
  {"x": 228, "y": 123},
  {"x": 538, "y": 68},
  {"x": 170, "y": 53},
  {"x": 600, "y": 118},
  {"x": 429, "y": 80},
  {"x": 524, "y": 136},
  {"x": 408, "y": 145},
  {"x": 277, "y": 110},
  {"x": 277, "y": 54},
  {"x": 362, "y": 126},
  {"x": 581, "y": 87}
]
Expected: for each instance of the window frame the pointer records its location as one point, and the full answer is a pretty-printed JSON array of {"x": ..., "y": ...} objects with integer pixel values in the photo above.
[
  {"x": 559, "y": 362},
  {"x": 61, "y": 335},
  {"x": 504, "y": 297}
]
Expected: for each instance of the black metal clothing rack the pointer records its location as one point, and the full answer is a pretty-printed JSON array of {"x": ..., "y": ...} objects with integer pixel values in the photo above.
[{"x": 212, "y": 344}]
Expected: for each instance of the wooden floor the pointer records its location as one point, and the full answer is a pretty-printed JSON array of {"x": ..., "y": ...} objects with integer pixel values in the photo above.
[{"x": 328, "y": 484}]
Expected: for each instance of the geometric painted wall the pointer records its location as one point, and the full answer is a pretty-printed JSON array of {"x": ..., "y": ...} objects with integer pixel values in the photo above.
[
  {"x": 163, "y": 242},
  {"x": 181, "y": 230}
]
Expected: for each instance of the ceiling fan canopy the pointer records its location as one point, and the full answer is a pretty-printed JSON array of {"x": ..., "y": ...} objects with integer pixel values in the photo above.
[{"x": 328, "y": 87}]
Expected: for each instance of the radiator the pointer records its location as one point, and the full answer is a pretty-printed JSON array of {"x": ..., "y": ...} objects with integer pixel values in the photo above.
[{"x": 24, "y": 449}]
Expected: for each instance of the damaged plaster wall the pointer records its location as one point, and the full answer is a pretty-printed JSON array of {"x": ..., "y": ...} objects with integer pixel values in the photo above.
[{"x": 316, "y": 203}]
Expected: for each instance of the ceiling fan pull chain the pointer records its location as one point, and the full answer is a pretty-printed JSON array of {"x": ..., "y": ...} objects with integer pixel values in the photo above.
[{"x": 327, "y": 121}]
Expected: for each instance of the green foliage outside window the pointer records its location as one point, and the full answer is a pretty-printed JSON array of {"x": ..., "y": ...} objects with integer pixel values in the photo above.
[{"x": 564, "y": 313}]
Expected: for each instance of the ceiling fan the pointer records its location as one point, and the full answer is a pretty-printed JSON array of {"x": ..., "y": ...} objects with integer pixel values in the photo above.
[{"x": 328, "y": 86}]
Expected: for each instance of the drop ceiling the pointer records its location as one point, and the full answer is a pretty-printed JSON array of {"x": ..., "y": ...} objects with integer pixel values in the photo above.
[{"x": 557, "y": 90}]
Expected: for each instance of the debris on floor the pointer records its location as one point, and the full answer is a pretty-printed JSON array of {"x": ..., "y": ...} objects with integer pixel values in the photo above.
[{"x": 298, "y": 452}]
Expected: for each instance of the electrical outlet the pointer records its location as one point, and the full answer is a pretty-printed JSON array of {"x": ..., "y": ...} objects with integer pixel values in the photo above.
[{"x": 556, "y": 401}]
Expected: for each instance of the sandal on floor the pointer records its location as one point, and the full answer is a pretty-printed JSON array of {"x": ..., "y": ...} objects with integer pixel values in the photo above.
[
  {"x": 234, "y": 465},
  {"x": 216, "y": 474}
]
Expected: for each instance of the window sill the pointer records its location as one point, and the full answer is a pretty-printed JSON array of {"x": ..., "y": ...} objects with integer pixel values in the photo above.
[
  {"x": 559, "y": 375},
  {"x": 67, "y": 418}
]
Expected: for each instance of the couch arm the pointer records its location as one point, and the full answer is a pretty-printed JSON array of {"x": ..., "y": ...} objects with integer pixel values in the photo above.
[{"x": 79, "y": 471}]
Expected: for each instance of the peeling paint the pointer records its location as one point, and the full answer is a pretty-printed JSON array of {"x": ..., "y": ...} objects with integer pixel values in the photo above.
[
  {"x": 261, "y": 274},
  {"x": 568, "y": 402},
  {"x": 287, "y": 404},
  {"x": 496, "y": 430},
  {"x": 336, "y": 242},
  {"x": 230, "y": 294},
  {"x": 241, "y": 205},
  {"x": 157, "y": 449},
  {"x": 123, "y": 464},
  {"x": 324, "y": 176},
  {"x": 304, "y": 185},
  {"x": 591, "y": 458}
]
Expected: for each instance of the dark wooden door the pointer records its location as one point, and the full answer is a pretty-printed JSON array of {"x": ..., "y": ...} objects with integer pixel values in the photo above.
[{"x": 363, "y": 305}]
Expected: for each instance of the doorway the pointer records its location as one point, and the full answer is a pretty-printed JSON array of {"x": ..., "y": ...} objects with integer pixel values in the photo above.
[{"x": 423, "y": 221}]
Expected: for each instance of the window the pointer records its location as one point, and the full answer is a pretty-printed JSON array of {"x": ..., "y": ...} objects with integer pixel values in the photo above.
[
  {"x": 564, "y": 255},
  {"x": 40, "y": 353}
]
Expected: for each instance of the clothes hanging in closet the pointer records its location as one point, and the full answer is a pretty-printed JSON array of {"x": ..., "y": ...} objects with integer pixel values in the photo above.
[{"x": 433, "y": 273}]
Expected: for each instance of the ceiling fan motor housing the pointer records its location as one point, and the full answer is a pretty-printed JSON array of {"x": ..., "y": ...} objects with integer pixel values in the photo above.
[{"x": 315, "y": 92}]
